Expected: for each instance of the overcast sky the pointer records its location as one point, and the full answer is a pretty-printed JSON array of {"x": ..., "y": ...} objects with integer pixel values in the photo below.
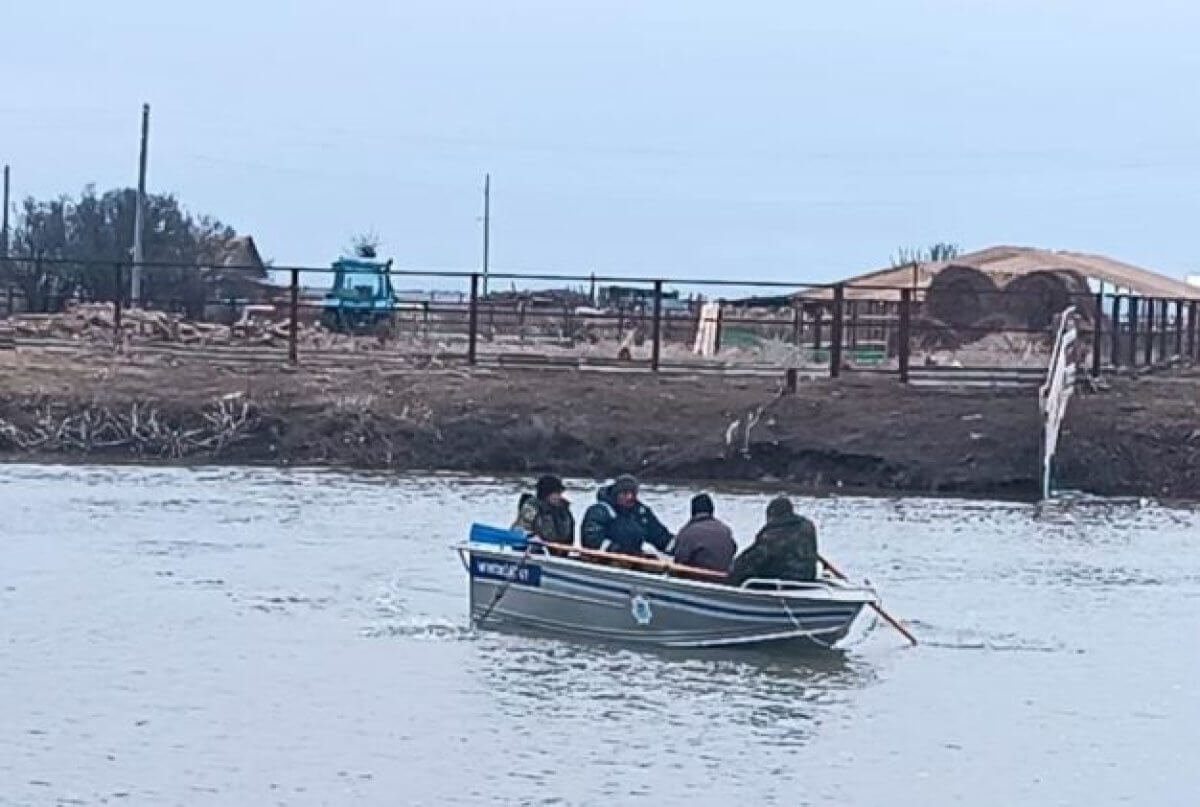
[{"x": 788, "y": 140}]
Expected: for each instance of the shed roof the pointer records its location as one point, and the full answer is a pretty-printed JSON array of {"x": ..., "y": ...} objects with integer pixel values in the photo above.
[{"x": 1006, "y": 263}]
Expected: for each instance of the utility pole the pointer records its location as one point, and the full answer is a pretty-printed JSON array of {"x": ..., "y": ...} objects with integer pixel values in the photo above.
[
  {"x": 139, "y": 214},
  {"x": 4, "y": 228},
  {"x": 487, "y": 224}
]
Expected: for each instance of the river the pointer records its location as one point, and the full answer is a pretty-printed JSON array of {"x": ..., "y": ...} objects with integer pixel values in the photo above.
[{"x": 252, "y": 637}]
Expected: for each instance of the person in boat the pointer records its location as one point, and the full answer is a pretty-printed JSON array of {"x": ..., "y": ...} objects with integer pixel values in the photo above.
[
  {"x": 546, "y": 513},
  {"x": 705, "y": 542},
  {"x": 619, "y": 522},
  {"x": 784, "y": 549}
]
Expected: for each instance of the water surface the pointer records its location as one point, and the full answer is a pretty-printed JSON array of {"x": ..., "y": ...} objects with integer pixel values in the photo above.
[{"x": 217, "y": 636}]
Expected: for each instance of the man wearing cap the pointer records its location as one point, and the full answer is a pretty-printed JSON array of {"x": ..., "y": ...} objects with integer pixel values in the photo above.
[
  {"x": 618, "y": 522},
  {"x": 705, "y": 542},
  {"x": 784, "y": 549},
  {"x": 547, "y": 514}
]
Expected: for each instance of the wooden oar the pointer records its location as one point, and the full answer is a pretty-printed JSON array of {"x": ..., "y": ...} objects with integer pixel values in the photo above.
[
  {"x": 652, "y": 563},
  {"x": 891, "y": 620}
]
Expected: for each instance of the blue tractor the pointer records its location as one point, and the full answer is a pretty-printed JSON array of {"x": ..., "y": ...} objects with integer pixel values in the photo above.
[{"x": 362, "y": 299}]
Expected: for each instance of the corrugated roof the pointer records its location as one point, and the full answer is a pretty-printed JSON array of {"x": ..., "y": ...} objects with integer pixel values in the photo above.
[{"x": 1006, "y": 263}]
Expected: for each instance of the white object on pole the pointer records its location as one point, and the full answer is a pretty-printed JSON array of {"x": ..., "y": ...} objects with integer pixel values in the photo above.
[{"x": 1056, "y": 391}]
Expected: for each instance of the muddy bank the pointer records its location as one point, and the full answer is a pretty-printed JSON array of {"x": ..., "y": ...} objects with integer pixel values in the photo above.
[{"x": 1137, "y": 438}]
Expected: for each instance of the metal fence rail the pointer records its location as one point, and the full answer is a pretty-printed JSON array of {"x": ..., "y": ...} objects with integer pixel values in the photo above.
[{"x": 812, "y": 328}]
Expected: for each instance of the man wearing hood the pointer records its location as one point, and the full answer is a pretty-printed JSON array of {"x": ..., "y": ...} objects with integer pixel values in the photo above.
[
  {"x": 547, "y": 514},
  {"x": 784, "y": 549},
  {"x": 618, "y": 522}
]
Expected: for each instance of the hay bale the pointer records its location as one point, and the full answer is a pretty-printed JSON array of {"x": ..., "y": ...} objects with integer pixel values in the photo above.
[
  {"x": 961, "y": 295},
  {"x": 927, "y": 335},
  {"x": 1033, "y": 300}
]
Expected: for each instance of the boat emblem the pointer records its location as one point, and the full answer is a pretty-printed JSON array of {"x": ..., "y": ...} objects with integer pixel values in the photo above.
[{"x": 640, "y": 607}]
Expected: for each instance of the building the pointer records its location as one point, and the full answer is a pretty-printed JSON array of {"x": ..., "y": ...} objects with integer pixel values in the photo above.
[
  {"x": 1004, "y": 264},
  {"x": 237, "y": 277},
  {"x": 1000, "y": 289}
]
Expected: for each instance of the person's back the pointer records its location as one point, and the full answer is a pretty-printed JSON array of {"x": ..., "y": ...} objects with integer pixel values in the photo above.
[
  {"x": 784, "y": 549},
  {"x": 704, "y": 542}
]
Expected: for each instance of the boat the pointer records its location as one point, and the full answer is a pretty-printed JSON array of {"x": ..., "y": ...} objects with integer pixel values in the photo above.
[{"x": 520, "y": 582}]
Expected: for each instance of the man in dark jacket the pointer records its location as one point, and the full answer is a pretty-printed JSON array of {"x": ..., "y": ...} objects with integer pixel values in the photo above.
[
  {"x": 705, "y": 542},
  {"x": 547, "y": 514},
  {"x": 618, "y": 522},
  {"x": 784, "y": 549}
]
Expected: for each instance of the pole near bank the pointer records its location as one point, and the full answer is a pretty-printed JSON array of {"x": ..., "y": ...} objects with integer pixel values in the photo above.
[{"x": 139, "y": 214}]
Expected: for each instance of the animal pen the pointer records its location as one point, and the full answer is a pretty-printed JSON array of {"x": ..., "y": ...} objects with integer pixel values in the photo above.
[{"x": 960, "y": 327}]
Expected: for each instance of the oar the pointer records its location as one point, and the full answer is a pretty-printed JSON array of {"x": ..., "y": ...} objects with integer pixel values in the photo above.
[
  {"x": 504, "y": 588},
  {"x": 636, "y": 560},
  {"x": 891, "y": 620}
]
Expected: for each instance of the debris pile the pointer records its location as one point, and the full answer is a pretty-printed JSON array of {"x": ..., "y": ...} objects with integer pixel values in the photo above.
[
  {"x": 96, "y": 323},
  {"x": 142, "y": 429}
]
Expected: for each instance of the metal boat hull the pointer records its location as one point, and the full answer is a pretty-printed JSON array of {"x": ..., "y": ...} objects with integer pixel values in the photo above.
[{"x": 583, "y": 599}]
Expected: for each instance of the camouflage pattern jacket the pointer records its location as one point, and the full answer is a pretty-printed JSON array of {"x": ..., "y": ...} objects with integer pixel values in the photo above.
[
  {"x": 785, "y": 549},
  {"x": 551, "y": 523}
]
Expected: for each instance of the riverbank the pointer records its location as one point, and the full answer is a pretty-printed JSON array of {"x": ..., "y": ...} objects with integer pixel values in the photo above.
[{"x": 869, "y": 434}]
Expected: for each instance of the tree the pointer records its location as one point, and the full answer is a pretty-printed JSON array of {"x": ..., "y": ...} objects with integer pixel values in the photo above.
[
  {"x": 940, "y": 251},
  {"x": 366, "y": 245},
  {"x": 67, "y": 249}
]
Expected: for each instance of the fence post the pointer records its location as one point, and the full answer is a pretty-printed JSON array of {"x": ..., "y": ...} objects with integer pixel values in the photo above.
[
  {"x": 853, "y": 304},
  {"x": 1191, "y": 330},
  {"x": 797, "y": 322},
  {"x": 720, "y": 327},
  {"x": 1134, "y": 304},
  {"x": 1179, "y": 329},
  {"x": 1116, "y": 330},
  {"x": 11, "y": 302},
  {"x": 118, "y": 288},
  {"x": 903, "y": 348},
  {"x": 32, "y": 292},
  {"x": 656, "y": 347},
  {"x": 1149, "y": 349},
  {"x": 1097, "y": 334},
  {"x": 473, "y": 319},
  {"x": 294, "y": 319},
  {"x": 1163, "y": 307},
  {"x": 835, "y": 332}
]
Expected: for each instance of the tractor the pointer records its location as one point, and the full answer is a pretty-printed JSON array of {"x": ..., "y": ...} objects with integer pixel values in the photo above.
[{"x": 362, "y": 299}]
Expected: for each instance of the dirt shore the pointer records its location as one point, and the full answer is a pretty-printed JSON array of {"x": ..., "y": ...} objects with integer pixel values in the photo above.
[{"x": 1138, "y": 437}]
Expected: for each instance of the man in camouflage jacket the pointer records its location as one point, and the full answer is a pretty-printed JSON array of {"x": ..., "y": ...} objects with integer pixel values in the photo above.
[{"x": 784, "y": 549}]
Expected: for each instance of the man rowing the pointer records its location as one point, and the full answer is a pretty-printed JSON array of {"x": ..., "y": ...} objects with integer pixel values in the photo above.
[{"x": 618, "y": 522}]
